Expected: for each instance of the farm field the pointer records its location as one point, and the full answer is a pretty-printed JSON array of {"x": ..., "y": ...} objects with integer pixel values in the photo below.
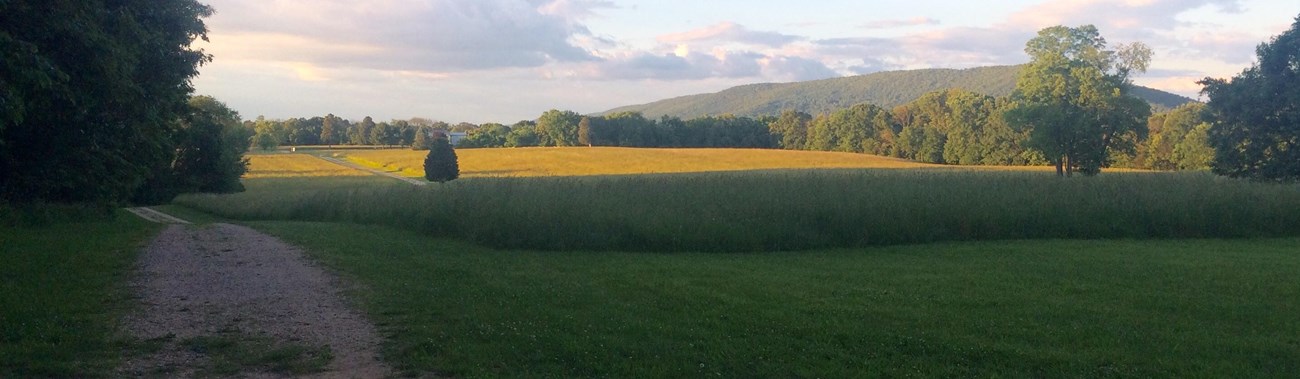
[
  {"x": 782, "y": 272},
  {"x": 295, "y": 165},
  {"x": 583, "y": 161},
  {"x": 766, "y": 209}
]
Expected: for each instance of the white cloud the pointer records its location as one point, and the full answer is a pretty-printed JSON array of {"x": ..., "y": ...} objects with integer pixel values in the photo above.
[
  {"x": 890, "y": 24},
  {"x": 434, "y": 35},
  {"x": 730, "y": 32}
]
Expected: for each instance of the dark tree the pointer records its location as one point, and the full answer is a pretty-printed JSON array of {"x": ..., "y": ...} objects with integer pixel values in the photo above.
[
  {"x": 90, "y": 92},
  {"x": 327, "y": 133},
  {"x": 1255, "y": 117},
  {"x": 584, "y": 131},
  {"x": 440, "y": 165}
]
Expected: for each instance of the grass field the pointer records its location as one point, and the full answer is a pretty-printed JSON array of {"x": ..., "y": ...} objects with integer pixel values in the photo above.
[
  {"x": 1141, "y": 303},
  {"x": 780, "y": 210},
  {"x": 62, "y": 292},
  {"x": 1188, "y": 308}
]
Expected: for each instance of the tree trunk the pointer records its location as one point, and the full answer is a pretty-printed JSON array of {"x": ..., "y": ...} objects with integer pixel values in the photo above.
[{"x": 1059, "y": 171}]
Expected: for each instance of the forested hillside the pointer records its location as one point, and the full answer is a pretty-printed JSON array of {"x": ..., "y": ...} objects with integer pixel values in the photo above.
[{"x": 885, "y": 89}]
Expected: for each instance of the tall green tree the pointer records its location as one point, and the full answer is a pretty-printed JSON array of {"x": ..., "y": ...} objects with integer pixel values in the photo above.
[
  {"x": 487, "y": 135},
  {"x": 863, "y": 128},
  {"x": 361, "y": 132},
  {"x": 327, "y": 132},
  {"x": 1168, "y": 130},
  {"x": 790, "y": 130},
  {"x": 558, "y": 128},
  {"x": 421, "y": 141},
  {"x": 522, "y": 134},
  {"x": 1256, "y": 116},
  {"x": 441, "y": 165},
  {"x": 90, "y": 92},
  {"x": 584, "y": 131},
  {"x": 209, "y": 156},
  {"x": 1073, "y": 97}
]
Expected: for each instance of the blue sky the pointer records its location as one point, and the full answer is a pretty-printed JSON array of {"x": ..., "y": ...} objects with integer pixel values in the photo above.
[{"x": 509, "y": 60}]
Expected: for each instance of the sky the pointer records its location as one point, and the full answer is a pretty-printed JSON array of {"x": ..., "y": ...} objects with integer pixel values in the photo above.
[{"x": 508, "y": 60}]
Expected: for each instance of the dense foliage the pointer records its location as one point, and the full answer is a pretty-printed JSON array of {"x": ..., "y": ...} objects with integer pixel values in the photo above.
[
  {"x": 440, "y": 164},
  {"x": 1256, "y": 115},
  {"x": 90, "y": 94},
  {"x": 1073, "y": 98}
]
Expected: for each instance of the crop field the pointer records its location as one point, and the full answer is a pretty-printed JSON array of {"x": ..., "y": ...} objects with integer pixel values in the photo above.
[
  {"x": 585, "y": 161},
  {"x": 769, "y": 210},
  {"x": 783, "y": 272},
  {"x": 295, "y": 165}
]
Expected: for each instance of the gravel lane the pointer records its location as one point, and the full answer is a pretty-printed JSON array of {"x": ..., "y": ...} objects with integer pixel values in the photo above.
[{"x": 222, "y": 280}]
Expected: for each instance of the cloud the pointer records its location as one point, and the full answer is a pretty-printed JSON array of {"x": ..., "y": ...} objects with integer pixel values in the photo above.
[
  {"x": 435, "y": 35},
  {"x": 730, "y": 32},
  {"x": 687, "y": 66},
  {"x": 890, "y": 24},
  {"x": 796, "y": 69}
]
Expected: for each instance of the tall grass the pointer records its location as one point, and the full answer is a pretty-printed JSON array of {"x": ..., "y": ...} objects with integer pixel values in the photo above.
[{"x": 782, "y": 210}]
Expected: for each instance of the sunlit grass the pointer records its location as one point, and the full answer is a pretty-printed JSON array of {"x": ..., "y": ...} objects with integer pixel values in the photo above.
[
  {"x": 295, "y": 165},
  {"x": 584, "y": 161}
]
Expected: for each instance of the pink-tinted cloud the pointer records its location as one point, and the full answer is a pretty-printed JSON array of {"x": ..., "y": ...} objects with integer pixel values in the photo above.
[
  {"x": 730, "y": 32},
  {"x": 890, "y": 24}
]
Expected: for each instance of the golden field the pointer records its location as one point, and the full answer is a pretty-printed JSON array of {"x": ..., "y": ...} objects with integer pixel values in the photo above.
[
  {"x": 295, "y": 165},
  {"x": 586, "y": 161}
]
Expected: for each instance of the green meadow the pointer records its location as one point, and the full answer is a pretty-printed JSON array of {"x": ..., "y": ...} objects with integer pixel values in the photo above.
[
  {"x": 1046, "y": 308},
  {"x": 799, "y": 272},
  {"x": 926, "y": 272},
  {"x": 747, "y": 211}
]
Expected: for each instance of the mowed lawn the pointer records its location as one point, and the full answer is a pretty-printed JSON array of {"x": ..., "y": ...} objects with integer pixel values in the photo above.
[
  {"x": 1174, "y": 308},
  {"x": 63, "y": 291}
]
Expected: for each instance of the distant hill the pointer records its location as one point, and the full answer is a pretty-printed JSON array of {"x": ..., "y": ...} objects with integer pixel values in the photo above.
[{"x": 886, "y": 89}]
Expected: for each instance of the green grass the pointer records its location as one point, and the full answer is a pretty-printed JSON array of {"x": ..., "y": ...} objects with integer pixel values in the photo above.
[
  {"x": 1180, "y": 308},
  {"x": 781, "y": 210},
  {"x": 62, "y": 292},
  {"x": 231, "y": 354}
]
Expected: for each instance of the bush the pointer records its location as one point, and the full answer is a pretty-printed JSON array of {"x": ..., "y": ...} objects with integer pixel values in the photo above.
[{"x": 440, "y": 165}]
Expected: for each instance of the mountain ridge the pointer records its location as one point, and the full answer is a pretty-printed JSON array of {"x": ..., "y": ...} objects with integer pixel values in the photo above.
[{"x": 886, "y": 89}]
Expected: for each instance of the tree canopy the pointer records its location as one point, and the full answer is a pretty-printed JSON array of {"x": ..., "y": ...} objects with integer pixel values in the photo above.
[
  {"x": 1256, "y": 115},
  {"x": 91, "y": 93},
  {"x": 1073, "y": 97}
]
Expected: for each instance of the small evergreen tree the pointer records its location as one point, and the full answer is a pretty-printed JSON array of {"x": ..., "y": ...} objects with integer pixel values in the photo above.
[{"x": 440, "y": 165}]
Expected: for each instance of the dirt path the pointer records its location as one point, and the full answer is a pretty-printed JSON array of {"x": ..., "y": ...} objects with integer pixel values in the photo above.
[{"x": 213, "y": 294}]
